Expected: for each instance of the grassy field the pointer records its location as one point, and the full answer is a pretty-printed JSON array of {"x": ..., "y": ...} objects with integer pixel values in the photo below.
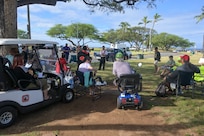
[{"x": 182, "y": 109}]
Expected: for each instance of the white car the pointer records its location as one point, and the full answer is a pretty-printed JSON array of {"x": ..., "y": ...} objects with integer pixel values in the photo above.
[{"x": 14, "y": 99}]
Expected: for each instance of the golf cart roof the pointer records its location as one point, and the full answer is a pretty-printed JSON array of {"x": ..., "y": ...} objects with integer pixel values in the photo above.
[{"x": 10, "y": 41}]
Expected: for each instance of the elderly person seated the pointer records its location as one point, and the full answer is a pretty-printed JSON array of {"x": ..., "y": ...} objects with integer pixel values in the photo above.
[{"x": 120, "y": 67}]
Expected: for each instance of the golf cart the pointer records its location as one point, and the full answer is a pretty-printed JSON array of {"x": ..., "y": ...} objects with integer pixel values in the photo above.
[{"x": 15, "y": 99}]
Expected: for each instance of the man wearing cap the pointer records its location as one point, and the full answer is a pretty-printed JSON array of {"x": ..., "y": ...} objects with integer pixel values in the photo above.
[
  {"x": 120, "y": 67},
  {"x": 186, "y": 66},
  {"x": 81, "y": 56}
]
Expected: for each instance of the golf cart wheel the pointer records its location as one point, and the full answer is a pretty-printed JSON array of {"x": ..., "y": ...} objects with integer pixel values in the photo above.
[
  {"x": 119, "y": 103},
  {"x": 68, "y": 96},
  {"x": 7, "y": 116}
]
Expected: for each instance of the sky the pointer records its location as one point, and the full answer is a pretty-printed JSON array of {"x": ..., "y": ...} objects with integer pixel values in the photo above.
[{"x": 177, "y": 18}]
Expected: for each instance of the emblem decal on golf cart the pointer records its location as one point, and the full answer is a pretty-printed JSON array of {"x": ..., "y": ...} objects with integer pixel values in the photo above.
[{"x": 25, "y": 98}]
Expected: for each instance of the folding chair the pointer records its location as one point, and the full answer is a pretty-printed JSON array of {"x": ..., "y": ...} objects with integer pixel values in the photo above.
[
  {"x": 184, "y": 79},
  {"x": 87, "y": 82}
]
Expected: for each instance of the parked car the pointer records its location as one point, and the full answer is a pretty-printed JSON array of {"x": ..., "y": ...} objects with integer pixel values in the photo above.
[
  {"x": 14, "y": 99},
  {"x": 112, "y": 52}
]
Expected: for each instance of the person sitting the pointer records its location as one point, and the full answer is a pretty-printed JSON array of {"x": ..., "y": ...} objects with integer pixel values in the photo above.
[
  {"x": 165, "y": 72},
  {"x": 167, "y": 66},
  {"x": 63, "y": 63},
  {"x": 199, "y": 77},
  {"x": 21, "y": 72},
  {"x": 120, "y": 67},
  {"x": 186, "y": 66}
]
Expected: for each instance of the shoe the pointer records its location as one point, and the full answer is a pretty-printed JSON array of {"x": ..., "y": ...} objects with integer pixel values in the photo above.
[
  {"x": 104, "y": 83},
  {"x": 98, "y": 83}
]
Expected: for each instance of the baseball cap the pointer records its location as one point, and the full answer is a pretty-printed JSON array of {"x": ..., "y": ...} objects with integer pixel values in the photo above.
[
  {"x": 185, "y": 57},
  {"x": 119, "y": 55}
]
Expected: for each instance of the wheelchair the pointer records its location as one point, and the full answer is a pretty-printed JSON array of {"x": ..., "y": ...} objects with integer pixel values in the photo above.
[{"x": 129, "y": 85}]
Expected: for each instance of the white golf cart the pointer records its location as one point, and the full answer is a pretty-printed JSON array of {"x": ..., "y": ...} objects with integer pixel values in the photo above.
[{"x": 15, "y": 99}]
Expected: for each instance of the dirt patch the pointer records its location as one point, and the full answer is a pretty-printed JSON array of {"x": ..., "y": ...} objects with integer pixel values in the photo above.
[{"x": 84, "y": 117}]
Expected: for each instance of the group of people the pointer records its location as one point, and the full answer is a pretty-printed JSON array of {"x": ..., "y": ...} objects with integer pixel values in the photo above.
[
  {"x": 120, "y": 67},
  {"x": 171, "y": 68},
  {"x": 28, "y": 74}
]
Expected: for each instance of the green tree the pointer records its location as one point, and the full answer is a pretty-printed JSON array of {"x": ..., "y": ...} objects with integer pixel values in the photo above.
[
  {"x": 157, "y": 18},
  {"x": 8, "y": 10},
  {"x": 201, "y": 16},
  {"x": 110, "y": 36},
  {"x": 122, "y": 31},
  {"x": 22, "y": 34},
  {"x": 144, "y": 22},
  {"x": 167, "y": 41},
  {"x": 77, "y": 31}
]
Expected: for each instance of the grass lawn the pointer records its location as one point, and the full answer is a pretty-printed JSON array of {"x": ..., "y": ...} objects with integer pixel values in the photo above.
[{"x": 182, "y": 109}]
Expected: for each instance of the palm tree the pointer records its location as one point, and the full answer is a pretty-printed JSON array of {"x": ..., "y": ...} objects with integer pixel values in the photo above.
[
  {"x": 157, "y": 18},
  {"x": 145, "y": 21},
  {"x": 124, "y": 27},
  {"x": 201, "y": 16}
]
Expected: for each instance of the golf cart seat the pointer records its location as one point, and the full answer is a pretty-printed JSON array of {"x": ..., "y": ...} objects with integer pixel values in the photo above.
[
  {"x": 14, "y": 83},
  {"x": 129, "y": 82}
]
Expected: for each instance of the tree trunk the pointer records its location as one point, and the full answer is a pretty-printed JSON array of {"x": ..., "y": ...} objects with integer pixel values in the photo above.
[
  {"x": 2, "y": 22},
  {"x": 8, "y": 23},
  {"x": 10, "y": 14}
]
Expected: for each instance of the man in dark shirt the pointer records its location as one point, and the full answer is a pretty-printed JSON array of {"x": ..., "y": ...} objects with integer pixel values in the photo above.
[
  {"x": 81, "y": 56},
  {"x": 157, "y": 58},
  {"x": 66, "y": 51}
]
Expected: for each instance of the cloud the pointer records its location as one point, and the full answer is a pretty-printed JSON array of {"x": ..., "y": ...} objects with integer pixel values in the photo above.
[{"x": 175, "y": 21}]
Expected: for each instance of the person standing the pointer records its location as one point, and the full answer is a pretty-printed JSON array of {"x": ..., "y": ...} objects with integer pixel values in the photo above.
[
  {"x": 81, "y": 56},
  {"x": 66, "y": 51},
  {"x": 103, "y": 53},
  {"x": 157, "y": 58}
]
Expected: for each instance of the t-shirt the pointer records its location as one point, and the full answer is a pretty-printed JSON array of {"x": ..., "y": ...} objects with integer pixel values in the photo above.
[
  {"x": 81, "y": 56},
  {"x": 121, "y": 67},
  {"x": 84, "y": 67},
  {"x": 170, "y": 63},
  {"x": 103, "y": 53},
  {"x": 66, "y": 49}
]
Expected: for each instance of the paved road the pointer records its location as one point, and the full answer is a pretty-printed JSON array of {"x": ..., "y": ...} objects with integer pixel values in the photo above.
[{"x": 163, "y": 54}]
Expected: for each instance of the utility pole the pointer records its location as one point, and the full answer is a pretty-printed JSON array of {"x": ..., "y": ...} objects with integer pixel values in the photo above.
[
  {"x": 203, "y": 46},
  {"x": 28, "y": 26}
]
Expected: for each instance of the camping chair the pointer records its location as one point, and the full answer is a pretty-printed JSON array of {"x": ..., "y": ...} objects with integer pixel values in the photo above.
[
  {"x": 86, "y": 83},
  {"x": 129, "y": 82},
  {"x": 184, "y": 79}
]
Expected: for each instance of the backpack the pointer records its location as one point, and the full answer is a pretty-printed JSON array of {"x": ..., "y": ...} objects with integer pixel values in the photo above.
[{"x": 161, "y": 90}]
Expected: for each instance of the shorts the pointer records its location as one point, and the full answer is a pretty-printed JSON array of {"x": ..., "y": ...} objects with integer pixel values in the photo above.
[{"x": 156, "y": 62}]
